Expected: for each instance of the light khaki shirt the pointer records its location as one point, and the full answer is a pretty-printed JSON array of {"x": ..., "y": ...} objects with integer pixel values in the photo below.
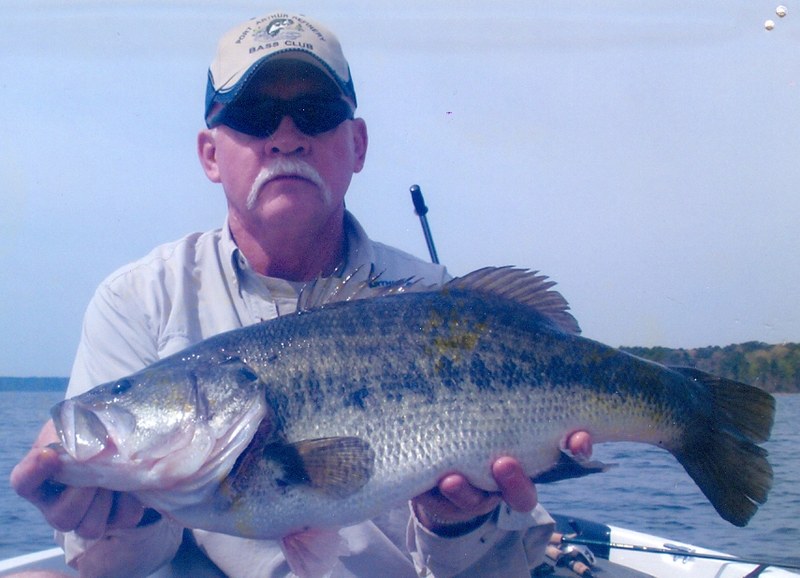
[{"x": 199, "y": 286}]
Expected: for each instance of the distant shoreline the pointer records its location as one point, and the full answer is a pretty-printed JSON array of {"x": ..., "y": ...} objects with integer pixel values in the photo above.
[{"x": 33, "y": 383}]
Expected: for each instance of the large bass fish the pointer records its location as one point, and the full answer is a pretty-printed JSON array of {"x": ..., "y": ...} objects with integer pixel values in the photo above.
[{"x": 330, "y": 416}]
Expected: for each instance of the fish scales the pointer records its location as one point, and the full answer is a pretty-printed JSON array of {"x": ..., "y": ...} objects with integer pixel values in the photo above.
[
  {"x": 364, "y": 404},
  {"x": 468, "y": 361},
  {"x": 425, "y": 404}
]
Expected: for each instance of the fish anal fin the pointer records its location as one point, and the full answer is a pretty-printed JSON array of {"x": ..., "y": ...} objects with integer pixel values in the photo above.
[
  {"x": 568, "y": 467},
  {"x": 523, "y": 286}
]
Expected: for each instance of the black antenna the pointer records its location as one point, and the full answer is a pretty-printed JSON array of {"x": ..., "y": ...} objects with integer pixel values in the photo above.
[{"x": 421, "y": 210}]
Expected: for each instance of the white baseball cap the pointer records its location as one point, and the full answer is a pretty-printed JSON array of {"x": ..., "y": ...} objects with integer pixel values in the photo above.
[{"x": 244, "y": 49}]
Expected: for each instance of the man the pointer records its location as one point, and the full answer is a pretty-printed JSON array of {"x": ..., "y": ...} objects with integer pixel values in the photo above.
[{"x": 283, "y": 142}]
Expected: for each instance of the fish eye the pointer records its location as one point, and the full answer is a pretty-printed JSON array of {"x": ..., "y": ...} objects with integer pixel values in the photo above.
[
  {"x": 246, "y": 375},
  {"x": 121, "y": 386}
]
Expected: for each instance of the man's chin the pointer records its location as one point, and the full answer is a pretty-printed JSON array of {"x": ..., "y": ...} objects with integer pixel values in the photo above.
[{"x": 291, "y": 211}]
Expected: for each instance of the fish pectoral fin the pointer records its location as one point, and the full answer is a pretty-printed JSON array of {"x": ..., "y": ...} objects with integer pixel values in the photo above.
[
  {"x": 336, "y": 466},
  {"x": 567, "y": 467}
]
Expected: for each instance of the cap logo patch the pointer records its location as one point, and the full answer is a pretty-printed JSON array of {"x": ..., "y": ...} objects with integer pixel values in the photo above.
[
  {"x": 280, "y": 26},
  {"x": 286, "y": 30}
]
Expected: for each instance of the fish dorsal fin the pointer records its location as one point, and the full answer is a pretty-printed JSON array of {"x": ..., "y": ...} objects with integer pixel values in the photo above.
[
  {"x": 357, "y": 285},
  {"x": 523, "y": 286},
  {"x": 336, "y": 466}
]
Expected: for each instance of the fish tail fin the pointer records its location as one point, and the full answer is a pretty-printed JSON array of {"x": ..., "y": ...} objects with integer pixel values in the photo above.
[
  {"x": 723, "y": 457},
  {"x": 749, "y": 409}
]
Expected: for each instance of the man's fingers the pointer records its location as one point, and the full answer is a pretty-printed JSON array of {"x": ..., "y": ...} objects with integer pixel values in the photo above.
[
  {"x": 126, "y": 511},
  {"x": 461, "y": 493},
  {"x": 516, "y": 488},
  {"x": 580, "y": 444},
  {"x": 67, "y": 513},
  {"x": 455, "y": 499},
  {"x": 87, "y": 511},
  {"x": 93, "y": 524},
  {"x": 30, "y": 476}
]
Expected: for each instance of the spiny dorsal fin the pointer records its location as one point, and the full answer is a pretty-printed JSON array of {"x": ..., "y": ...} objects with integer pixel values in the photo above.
[
  {"x": 523, "y": 286},
  {"x": 356, "y": 285},
  {"x": 336, "y": 466}
]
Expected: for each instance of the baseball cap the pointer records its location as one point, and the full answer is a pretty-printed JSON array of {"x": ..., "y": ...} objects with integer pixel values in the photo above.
[{"x": 246, "y": 48}]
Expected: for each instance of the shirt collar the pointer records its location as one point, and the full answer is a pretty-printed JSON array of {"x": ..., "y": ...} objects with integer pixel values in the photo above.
[{"x": 359, "y": 251}]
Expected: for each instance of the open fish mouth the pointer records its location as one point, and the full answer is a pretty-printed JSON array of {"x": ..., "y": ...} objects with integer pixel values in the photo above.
[{"x": 82, "y": 433}]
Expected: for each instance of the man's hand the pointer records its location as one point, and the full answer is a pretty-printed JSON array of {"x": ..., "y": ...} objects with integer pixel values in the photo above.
[
  {"x": 87, "y": 511},
  {"x": 455, "y": 506}
]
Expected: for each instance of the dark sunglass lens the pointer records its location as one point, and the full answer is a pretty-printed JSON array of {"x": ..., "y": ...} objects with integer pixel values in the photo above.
[
  {"x": 258, "y": 119},
  {"x": 317, "y": 115},
  {"x": 312, "y": 115}
]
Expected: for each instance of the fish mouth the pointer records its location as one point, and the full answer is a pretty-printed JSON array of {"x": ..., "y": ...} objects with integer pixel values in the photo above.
[{"x": 82, "y": 433}]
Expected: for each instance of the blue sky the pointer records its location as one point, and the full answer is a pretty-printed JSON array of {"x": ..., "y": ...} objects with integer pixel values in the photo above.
[{"x": 642, "y": 154}]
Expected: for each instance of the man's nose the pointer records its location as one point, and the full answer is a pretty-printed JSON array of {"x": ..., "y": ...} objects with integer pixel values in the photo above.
[{"x": 287, "y": 139}]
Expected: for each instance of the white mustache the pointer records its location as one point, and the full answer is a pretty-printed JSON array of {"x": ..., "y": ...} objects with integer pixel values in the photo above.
[{"x": 283, "y": 167}]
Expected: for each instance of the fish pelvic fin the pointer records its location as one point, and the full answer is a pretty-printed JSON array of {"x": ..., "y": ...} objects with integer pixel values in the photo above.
[
  {"x": 722, "y": 455},
  {"x": 568, "y": 467},
  {"x": 313, "y": 553},
  {"x": 523, "y": 286},
  {"x": 335, "y": 466}
]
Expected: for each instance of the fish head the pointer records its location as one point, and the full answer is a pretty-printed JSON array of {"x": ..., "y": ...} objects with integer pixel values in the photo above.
[{"x": 180, "y": 418}]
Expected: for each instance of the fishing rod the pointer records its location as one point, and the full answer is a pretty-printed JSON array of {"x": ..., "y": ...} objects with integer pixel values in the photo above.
[
  {"x": 421, "y": 210},
  {"x": 678, "y": 553}
]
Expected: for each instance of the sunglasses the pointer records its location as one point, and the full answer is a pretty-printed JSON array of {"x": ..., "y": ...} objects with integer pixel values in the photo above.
[{"x": 312, "y": 114}]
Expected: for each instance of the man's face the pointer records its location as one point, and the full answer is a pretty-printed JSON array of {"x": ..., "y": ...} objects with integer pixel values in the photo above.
[{"x": 280, "y": 197}]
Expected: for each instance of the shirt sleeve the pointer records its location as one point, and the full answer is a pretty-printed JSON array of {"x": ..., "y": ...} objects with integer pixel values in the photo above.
[
  {"x": 116, "y": 340},
  {"x": 507, "y": 545}
]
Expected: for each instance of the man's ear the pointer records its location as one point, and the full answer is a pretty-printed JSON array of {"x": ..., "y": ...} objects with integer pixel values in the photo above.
[
  {"x": 207, "y": 153},
  {"x": 360, "y": 142}
]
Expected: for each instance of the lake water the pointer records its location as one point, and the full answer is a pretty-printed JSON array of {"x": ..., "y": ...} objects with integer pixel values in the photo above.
[{"x": 648, "y": 491}]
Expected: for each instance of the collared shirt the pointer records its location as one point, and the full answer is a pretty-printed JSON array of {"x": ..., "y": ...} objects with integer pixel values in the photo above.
[{"x": 201, "y": 285}]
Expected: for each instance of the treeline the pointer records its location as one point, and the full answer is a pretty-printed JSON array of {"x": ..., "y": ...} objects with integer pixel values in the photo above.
[{"x": 775, "y": 368}]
